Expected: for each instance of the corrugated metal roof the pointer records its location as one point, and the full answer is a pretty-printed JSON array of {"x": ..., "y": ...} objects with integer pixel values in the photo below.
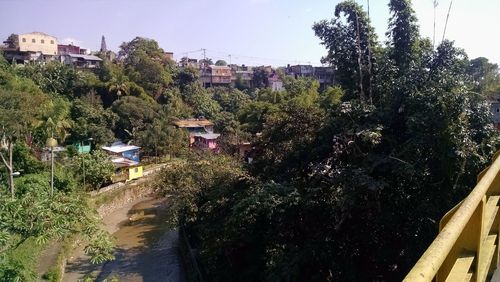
[
  {"x": 85, "y": 57},
  {"x": 208, "y": 136},
  {"x": 120, "y": 148},
  {"x": 123, "y": 162},
  {"x": 193, "y": 123}
]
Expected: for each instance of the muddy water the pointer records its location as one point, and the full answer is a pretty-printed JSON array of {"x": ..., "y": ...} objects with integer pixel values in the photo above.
[{"x": 147, "y": 249}]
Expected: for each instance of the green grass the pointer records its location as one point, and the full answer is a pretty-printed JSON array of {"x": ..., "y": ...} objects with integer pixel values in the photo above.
[{"x": 27, "y": 254}]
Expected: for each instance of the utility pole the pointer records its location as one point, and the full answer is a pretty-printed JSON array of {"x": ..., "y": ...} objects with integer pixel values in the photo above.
[
  {"x": 447, "y": 17},
  {"x": 229, "y": 58},
  {"x": 51, "y": 143},
  {"x": 204, "y": 65}
]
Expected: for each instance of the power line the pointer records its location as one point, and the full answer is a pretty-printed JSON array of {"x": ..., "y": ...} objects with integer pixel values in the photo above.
[{"x": 224, "y": 54}]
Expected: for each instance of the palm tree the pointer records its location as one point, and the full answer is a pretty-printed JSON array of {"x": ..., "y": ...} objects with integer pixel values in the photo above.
[{"x": 119, "y": 84}]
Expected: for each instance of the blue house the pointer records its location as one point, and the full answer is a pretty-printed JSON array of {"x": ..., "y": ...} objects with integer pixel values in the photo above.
[{"x": 126, "y": 160}]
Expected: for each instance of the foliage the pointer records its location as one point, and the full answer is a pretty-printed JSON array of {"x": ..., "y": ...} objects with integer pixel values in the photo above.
[
  {"x": 146, "y": 65},
  {"x": 53, "y": 77},
  {"x": 201, "y": 101},
  {"x": 260, "y": 78},
  {"x": 92, "y": 121},
  {"x": 24, "y": 160},
  {"x": 95, "y": 167},
  {"x": 350, "y": 41},
  {"x": 19, "y": 111},
  {"x": 35, "y": 215},
  {"x": 485, "y": 76},
  {"x": 221, "y": 63},
  {"x": 161, "y": 138},
  {"x": 333, "y": 169},
  {"x": 133, "y": 116}
]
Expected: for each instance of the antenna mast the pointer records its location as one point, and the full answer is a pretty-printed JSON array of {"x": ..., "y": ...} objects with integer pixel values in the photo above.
[
  {"x": 447, "y": 17},
  {"x": 434, "y": 33}
]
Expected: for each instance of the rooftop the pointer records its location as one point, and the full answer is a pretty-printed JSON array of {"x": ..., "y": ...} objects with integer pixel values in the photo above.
[
  {"x": 123, "y": 162},
  {"x": 208, "y": 136},
  {"x": 37, "y": 33},
  {"x": 184, "y": 123},
  {"x": 119, "y": 147},
  {"x": 85, "y": 57}
]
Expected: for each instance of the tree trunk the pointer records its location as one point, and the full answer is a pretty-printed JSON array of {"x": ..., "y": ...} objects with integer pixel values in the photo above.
[{"x": 9, "y": 167}]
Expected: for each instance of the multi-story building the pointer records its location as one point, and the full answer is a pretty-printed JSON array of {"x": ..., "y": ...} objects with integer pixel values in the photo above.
[
  {"x": 63, "y": 49},
  {"x": 38, "y": 42},
  {"x": 300, "y": 71},
  {"x": 324, "y": 75},
  {"x": 244, "y": 77},
  {"x": 275, "y": 83},
  {"x": 34, "y": 46},
  {"x": 216, "y": 76}
]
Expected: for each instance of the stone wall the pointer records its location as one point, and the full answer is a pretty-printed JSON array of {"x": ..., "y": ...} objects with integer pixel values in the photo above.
[{"x": 115, "y": 198}]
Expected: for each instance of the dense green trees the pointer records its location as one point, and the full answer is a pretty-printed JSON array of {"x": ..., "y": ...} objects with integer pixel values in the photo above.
[{"x": 333, "y": 172}]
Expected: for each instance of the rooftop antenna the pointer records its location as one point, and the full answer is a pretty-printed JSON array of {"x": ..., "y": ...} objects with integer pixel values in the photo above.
[
  {"x": 368, "y": 8},
  {"x": 447, "y": 17},
  {"x": 434, "y": 33}
]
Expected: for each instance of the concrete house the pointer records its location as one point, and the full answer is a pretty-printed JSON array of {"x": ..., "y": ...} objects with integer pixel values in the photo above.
[
  {"x": 81, "y": 61},
  {"x": 216, "y": 76},
  {"x": 126, "y": 160},
  {"x": 275, "y": 83},
  {"x": 201, "y": 133},
  {"x": 34, "y": 46}
]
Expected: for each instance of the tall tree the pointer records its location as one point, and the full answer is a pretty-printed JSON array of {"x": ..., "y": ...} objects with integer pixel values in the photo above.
[
  {"x": 19, "y": 112},
  {"x": 349, "y": 39},
  {"x": 145, "y": 64}
]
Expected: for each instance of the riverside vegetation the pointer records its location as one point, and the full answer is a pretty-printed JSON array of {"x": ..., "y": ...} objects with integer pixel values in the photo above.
[{"x": 347, "y": 183}]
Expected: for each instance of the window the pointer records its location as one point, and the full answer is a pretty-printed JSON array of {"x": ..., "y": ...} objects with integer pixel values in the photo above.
[
  {"x": 42, "y": 41},
  {"x": 33, "y": 40},
  {"x": 498, "y": 110},
  {"x": 51, "y": 41},
  {"x": 24, "y": 39}
]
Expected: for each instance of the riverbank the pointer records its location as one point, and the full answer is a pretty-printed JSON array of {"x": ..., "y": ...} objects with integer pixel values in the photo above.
[{"x": 147, "y": 248}]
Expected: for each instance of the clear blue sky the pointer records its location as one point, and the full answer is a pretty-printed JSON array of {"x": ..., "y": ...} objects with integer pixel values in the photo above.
[{"x": 254, "y": 32}]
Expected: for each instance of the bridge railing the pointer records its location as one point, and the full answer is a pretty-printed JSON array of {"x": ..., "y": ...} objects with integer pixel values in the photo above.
[{"x": 466, "y": 248}]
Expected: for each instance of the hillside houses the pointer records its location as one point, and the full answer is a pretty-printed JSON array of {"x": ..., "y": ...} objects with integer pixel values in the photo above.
[
  {"x": 201, "y": 133},
  {"x": 42, "y": 47}
]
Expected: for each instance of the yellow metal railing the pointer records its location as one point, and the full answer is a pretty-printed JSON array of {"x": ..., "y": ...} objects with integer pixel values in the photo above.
[{"x": 466, "y": 248}]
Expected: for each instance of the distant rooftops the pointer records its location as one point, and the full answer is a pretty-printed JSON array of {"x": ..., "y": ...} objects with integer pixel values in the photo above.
[
  {"x": 219, "y": 67},
  {"x": 185, "y": 123}
]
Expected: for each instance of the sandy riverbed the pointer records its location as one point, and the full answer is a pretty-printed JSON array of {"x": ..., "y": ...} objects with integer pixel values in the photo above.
[{"x": 147, "y": 249}]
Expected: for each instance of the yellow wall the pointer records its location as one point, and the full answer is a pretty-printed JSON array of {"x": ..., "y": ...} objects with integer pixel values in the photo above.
[
  {"x": 134, "y": 172},
  {"x": 48, "y": 47}
]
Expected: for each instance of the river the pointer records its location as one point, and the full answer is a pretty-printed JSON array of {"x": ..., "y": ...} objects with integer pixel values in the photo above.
[{"x": 147, "y": 249}]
